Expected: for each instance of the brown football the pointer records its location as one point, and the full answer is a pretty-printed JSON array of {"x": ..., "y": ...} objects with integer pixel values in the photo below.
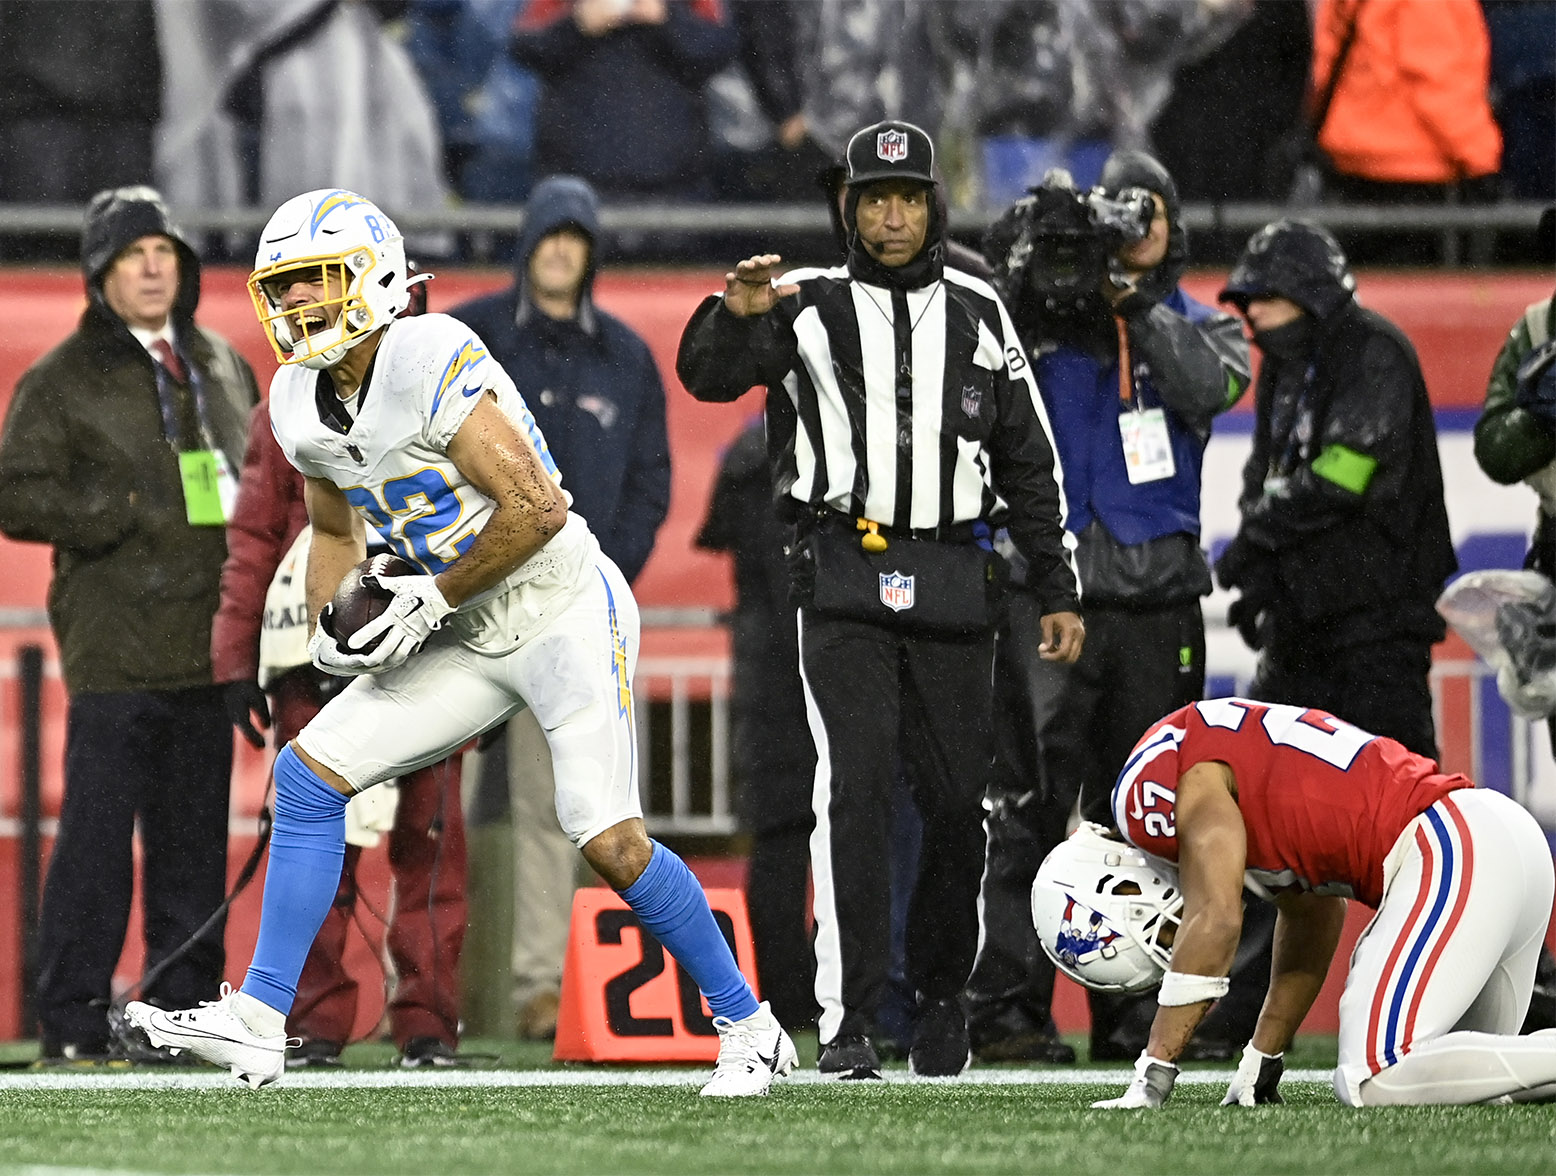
[{"x": 359, "y": 600}]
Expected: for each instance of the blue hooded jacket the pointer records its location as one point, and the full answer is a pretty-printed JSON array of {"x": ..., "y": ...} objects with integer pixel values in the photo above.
[{"x": 591, "y": 383}]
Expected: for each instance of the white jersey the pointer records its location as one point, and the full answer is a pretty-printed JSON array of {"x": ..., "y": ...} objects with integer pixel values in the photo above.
[{"x": 392, "y": 464}]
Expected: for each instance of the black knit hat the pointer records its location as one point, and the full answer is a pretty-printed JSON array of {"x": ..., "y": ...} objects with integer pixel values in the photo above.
[
  {"x": 1295, "y": 260},
  {"x": 117, "y": 218},
  {"x": 890, "y": 150}
]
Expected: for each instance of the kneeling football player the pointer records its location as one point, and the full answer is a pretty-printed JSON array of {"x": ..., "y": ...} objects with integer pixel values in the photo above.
[{"x": 1311, "y": 811}]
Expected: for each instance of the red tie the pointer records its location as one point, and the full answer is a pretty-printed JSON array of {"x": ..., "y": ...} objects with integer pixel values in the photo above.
[{"x": 169, "y": 359}]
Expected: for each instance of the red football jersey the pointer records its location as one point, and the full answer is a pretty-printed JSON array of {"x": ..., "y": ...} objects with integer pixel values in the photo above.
[{"x": 1323, "y": 801}]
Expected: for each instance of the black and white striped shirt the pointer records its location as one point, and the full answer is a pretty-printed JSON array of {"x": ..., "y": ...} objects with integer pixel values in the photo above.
[{"x": 916, "y": 409}]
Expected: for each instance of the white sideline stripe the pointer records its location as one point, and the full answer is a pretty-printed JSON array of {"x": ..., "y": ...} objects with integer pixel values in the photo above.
[
  {"x": 62, "y": 1170},
  {"x": 392, "y": 1079}
]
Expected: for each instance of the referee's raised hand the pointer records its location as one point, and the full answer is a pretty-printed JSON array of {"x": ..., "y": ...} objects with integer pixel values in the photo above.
[{"x": 749, "y": 289}]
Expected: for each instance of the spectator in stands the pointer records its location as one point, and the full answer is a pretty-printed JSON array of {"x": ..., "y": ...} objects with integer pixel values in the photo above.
[
  {"x": 80, "y": 97},
  {"x": 259, "y": 655},
  {"x": 453, "y": 48},
  {"x": 1344, "y": 544},
  {"x": 1410, "y": 120},
  {"x": 771, "y": 752},
  {"x": 1127, "y": 53},
  {"x": 501, "y": 165},
  {"x": 1217, "y": 132},
  {"x": 1523, "y": 84},
  {"x": 761, "y": 136},
  {"x": 859, "y": 62},
  {"x": 305, "y": 94},
  {"x": 120, "y": 450},
  {"x": 622, "y": 102},
  {"x": 595, "y": 392}
]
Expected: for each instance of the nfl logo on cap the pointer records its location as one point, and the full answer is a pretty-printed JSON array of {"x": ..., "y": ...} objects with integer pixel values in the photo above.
[
  {"x": 892, "y": 146},
  {"x": 890, "y": 150}
]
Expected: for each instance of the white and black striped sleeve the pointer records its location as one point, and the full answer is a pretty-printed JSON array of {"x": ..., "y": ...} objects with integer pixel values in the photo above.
[
  {"x": 723, "y": 356},
  {"x": 1028, "y": 476}
]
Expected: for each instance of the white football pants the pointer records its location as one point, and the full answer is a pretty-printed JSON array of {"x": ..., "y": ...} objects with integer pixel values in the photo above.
[
  {"x": 1441, "y": 978},
  {"x": 574, "y": 673}
]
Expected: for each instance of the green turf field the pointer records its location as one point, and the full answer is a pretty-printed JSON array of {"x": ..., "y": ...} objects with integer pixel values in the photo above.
[{"x": 527, "y": 1116}]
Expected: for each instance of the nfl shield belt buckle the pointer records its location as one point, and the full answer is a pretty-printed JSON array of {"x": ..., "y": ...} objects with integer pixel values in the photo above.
[{"x": 896, "y": 591}]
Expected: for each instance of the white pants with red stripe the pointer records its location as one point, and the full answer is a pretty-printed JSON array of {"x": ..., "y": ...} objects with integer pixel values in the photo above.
[{"x": 1441, "y": 978}]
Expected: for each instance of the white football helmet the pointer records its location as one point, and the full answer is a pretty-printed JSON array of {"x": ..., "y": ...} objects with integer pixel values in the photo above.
[
  {"x": 1106, "y": 914},
  {"x": 362, "y": 257}
]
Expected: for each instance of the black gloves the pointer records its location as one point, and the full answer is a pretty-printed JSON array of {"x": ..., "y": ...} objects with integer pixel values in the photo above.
[
  {"x": 245, "y": 701},
  {"x": 1243, "y": 615},
  {"x": 1247, "y": 566},
  {"x": 1243, "y": 561}
]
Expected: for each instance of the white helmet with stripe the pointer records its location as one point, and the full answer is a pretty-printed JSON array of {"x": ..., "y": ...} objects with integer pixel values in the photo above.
[{"x": 359, "y": 253}]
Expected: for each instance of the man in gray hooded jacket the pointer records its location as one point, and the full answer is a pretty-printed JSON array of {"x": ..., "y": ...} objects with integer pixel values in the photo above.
[{"x": 598, "y": 398}]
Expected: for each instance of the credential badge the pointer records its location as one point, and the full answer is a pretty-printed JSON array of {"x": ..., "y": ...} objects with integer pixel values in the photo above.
[
  {"x": 892, "y": 146},
  {"x": 896, "y": 591}
]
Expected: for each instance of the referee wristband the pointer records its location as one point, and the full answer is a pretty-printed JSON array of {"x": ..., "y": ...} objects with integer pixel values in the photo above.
[{"x": 1184, "y": 988}]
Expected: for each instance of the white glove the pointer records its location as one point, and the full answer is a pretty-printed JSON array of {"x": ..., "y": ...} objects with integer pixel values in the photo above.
[
  {"x": 416, "y": 612},
  {"x": 328, "y": 655},
  {"x": 1257, "y": 1080},
  {"x": 1150, "y": 1090}
]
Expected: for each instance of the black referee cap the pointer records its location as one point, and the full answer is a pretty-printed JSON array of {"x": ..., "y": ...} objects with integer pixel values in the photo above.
[{"x": 890, "y": 150}]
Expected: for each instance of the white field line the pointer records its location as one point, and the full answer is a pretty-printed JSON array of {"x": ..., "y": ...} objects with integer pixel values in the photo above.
[{"x": 390, "y": 1079}]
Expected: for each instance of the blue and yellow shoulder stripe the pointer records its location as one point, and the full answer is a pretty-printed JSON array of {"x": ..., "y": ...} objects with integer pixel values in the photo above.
[{"x": 460, "y": 371}]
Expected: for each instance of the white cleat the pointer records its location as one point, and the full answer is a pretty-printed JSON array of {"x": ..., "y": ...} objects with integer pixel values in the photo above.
[
  {"x": 214, "y": 1033},
  {"x": 752, "y": 1052}
]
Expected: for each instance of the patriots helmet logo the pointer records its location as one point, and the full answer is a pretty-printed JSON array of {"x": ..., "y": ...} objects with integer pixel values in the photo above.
[
  {"x": 892, "y": 146},
  {"x": 1083, "y": 933}
]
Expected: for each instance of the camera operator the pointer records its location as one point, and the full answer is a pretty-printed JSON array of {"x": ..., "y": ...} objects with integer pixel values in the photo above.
[{"x": 1132, "y": 371}]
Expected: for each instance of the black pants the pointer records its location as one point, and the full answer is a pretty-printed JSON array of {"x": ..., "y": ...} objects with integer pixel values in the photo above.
[
  {"x": 1381, "y": 686},
  {"x": 880, "y": 697},
  {"x": 1062, "y": 732},
  {"x": 165, "y": 757}
]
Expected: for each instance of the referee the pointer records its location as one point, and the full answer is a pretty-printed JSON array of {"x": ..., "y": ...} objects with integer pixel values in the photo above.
[{"x": 903, "y": 424}]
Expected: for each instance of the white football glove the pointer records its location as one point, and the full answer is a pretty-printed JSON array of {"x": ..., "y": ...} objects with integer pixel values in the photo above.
[
  {"x": 1257, "y": 1080},
  {"x": 328, "y": 655},
  {"x": 1149, "y": 1091},
  {"x": 416, "y": 612}
]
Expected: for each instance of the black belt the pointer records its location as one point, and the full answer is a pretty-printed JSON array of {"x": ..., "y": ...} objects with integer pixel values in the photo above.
[{"x": 946, "y": 533}]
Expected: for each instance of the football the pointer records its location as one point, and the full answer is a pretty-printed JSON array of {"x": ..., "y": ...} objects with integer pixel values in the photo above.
[{"x": 359, "y": 600}]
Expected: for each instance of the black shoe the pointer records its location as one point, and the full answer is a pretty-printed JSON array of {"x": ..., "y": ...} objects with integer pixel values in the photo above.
[
  {"x": 1014, "y": 1035},
  {"x": 1113, "y": 1049},
  {"x": 430, "y": 1053},
  {"x": 940, "y": 1047},
  {"x": 136, "y": 1048},
  {"x": 1209, "y": 1049},
  {"x": 80, "y": 1055},
  {"x": 314, "y": 1054},
  {"x": 850, "y": 1059}
]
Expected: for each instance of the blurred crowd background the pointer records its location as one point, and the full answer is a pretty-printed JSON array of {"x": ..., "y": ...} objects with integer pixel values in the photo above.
[{"x": 428, "y": 105}]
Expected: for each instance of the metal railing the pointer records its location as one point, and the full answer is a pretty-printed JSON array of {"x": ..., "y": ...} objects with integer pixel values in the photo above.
[
  {"x": 699, "y": 796},
  {"x": 755, "y": 221},
  {"x": 1513, "y": 215},
  {"x": 682, "y": 713}
]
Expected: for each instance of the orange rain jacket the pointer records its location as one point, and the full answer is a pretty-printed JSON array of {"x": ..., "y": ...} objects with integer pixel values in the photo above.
[{"x": 1412, "y": 105}]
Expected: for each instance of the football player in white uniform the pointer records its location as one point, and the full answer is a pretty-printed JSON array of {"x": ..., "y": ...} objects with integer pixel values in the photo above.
[{"x": 409, "y": 426}]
